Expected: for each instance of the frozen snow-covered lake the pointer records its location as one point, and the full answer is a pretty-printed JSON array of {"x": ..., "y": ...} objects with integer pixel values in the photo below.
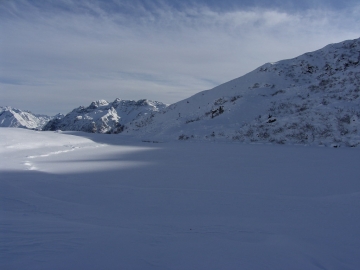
[{"x": 92, "y": 201}]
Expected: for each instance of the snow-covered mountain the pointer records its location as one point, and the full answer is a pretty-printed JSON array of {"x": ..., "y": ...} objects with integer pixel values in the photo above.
[
  {"x": 11, "y": 117},
  {"x": 104, "y": 117},
  {"x": 311, "y": 99}
]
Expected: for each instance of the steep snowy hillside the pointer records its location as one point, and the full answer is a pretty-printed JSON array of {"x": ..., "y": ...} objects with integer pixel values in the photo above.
[
  {"x": 104, "y": 117},
  {"x": 11, "y": 117},
  {"x": 311, "y": 99}
]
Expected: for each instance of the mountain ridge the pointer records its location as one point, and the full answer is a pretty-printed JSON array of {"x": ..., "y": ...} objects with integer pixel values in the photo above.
[
  {"x": 13, "y": 117},
  {"x": 105, "y": 117},
  {"x": 309, "y": 99}
]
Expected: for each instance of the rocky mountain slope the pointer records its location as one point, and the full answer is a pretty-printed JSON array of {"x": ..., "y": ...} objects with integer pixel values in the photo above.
[
  {"x": 311, "y": 99},
  {"x": 104, "y": 117},
  {"x": 11, "y": 117}
]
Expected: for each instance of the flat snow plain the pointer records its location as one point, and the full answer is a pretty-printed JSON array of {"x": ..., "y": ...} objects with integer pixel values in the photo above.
[{"x": 93, "y": 201}]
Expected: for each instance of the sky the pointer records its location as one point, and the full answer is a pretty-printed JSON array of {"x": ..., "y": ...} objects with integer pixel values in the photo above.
[{"x": 57, "y": 55}]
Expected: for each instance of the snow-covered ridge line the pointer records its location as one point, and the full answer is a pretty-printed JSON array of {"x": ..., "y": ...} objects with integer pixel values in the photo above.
[
  {"x": 310, "y": 99},
  {"x": 12, "y": 117},
  {"x": 105, "y": 117}
]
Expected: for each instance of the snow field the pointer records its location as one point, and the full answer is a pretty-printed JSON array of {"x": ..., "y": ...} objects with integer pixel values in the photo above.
[{"x": 94, "y": 201}]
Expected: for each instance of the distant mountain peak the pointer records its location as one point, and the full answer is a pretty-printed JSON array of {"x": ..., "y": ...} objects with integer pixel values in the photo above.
[
  {"x": 105, "y": 117},
  {"x": 98, "y": 103},
  {"x": 12, "y": 117}
]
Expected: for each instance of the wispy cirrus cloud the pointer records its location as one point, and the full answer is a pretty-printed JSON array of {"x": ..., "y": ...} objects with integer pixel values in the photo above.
[{"x": 78, "y": 51}]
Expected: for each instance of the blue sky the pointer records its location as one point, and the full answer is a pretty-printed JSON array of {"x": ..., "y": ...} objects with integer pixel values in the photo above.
[{"x": 57, "y": 55}]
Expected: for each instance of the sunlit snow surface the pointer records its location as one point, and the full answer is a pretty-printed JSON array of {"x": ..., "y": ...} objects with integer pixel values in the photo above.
[{"x": 93, "y": 201}]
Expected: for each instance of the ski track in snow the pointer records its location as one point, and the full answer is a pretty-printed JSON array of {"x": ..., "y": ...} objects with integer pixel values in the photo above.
[
  {"x": 56, "y": 152},
  {"x": 30, "y": 165}
]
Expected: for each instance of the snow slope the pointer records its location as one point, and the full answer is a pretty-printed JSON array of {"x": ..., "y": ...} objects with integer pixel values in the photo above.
[
  {"x": 11, "y": 117},
  {"x": 104, "y": 117},
  {"x": 95, "y": 201},
  {"x": 311, "y": 99}
]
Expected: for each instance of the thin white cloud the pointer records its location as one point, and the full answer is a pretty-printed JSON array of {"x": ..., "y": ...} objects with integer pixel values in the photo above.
[{"x": 162, "y": 54}]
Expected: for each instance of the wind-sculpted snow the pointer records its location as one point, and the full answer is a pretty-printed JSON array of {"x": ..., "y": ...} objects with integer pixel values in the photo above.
[
  {"x": 311, "y": 99},
  {"x": 104, "y": 117},
  {"x": 11, "y": 117}
]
